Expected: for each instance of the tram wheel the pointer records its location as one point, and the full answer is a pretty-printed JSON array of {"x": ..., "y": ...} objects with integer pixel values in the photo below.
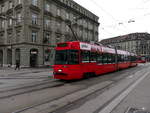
[{"x": 86, "y": 75}]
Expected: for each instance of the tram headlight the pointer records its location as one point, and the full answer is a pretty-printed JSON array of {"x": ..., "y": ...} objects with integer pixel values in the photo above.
[{"x": 59, "y": 70}]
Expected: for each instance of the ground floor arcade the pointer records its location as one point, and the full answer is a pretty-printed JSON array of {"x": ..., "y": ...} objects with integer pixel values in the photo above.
[{"x": 27, "y": 55}]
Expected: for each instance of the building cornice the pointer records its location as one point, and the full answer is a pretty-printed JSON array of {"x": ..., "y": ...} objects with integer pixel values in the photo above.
[{"x": 78, "y": 12}]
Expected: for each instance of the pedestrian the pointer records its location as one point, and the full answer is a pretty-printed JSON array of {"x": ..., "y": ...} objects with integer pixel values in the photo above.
[{"x": 17, "y": 65}]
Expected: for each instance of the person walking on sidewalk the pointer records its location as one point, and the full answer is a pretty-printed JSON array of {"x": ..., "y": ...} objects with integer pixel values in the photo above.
[{"x": 17, "y": 65}]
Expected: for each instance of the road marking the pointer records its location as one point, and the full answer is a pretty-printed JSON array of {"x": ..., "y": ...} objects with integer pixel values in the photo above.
[{"x": 117, "y": 100}]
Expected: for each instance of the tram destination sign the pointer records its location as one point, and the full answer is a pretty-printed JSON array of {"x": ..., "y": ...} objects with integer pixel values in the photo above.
[{"x": 85, "y": 46}]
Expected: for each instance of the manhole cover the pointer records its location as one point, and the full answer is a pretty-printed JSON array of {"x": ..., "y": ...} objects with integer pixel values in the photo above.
[{"x": 135, "y": 110}]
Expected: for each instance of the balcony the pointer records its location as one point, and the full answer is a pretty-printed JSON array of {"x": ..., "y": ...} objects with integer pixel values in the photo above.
[
  {"x": 45, "y": 40},
  {"x": 9, "y": 11},
  {"x": 18, "y": 6},
  {"x": 35, "y": 8},
  {"x": 18, "y": 24},
  {"x": 2, "y": 13},
  {"x": 10, "y": 28},
  {"x": 47, "y": 13},
  {"x": 35, "y": 26}
]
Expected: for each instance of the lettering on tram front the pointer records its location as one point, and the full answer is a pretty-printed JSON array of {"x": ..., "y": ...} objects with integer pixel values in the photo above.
[{"x": 85, "y": 46}]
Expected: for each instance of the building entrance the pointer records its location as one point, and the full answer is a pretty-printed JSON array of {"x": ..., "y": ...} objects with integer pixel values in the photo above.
[
  {"x": 33, "y": 57},
  {"x": 1, "y": 58}
]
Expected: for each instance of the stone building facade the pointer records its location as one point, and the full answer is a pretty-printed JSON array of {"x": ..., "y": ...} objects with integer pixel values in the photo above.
[
  {"x": 30, "y": 29},
  {"x": 138, "y": 43}
]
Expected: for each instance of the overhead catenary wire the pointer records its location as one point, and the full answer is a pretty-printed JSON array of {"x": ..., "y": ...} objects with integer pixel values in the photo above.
[{"x": 106, "y": 12}]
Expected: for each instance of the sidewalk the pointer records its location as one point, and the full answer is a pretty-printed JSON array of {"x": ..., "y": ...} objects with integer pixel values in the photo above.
[
  {"x": 138, "y": 101},
  {"x": 8, "y": 71}
]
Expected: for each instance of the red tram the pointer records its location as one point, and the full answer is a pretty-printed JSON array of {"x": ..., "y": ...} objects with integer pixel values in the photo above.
[
  {"x": 141, "y": 59},
  {"x": 76, "y": 60}
]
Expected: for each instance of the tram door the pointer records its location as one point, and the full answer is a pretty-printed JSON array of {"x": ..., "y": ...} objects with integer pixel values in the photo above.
[
  {"x": 1, "y": 58},
  {"x": 33, "y": 57}
]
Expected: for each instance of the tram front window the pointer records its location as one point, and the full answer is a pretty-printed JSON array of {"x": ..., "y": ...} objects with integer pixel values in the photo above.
[
  {"x": 61, "y": 57},
  {"x": 67, "y": 57}
]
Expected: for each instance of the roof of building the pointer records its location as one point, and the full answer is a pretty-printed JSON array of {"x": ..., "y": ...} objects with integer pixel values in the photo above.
[{"x": 131, "y": 36}]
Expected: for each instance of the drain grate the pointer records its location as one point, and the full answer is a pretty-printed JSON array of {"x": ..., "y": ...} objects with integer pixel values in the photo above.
[{"x": 135, "y": 110}]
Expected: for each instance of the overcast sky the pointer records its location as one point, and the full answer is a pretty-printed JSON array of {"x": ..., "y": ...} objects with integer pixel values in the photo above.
[{"x": 115, "y": 16}]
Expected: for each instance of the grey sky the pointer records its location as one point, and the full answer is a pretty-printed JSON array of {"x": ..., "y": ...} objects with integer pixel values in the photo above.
[{"x": 116, "y": 16}]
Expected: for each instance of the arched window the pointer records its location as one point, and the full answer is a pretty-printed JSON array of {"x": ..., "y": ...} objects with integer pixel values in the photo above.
[
  {"x": 9, "y": 56},
  {"x": 17, "y": 53}
]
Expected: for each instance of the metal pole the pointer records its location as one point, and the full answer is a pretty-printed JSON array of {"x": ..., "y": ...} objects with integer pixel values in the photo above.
[
  {"x": 75, "y": 36},
  {"x": 70, "y": 23}
]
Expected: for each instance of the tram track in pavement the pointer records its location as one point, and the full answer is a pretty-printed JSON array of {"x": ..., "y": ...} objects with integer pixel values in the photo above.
[
  {"x": 6, "y": 93},
  {"x": 23, "y": 77},
  {"x": 78, "y": 102},
  {"x": 71, "y": 102}
]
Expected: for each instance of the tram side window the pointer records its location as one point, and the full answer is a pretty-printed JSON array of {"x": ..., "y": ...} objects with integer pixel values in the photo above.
[
  {"x": 125, "y": 58},
  {"x": 133, "y": 58},
  {"x": 119, "y": 58},
  {"x": 109, "y": 58},
  {"x": 122, "y": 58},
  {"x": 105, "y": 58},
  {"x": 85, "y": 56},
  {"x": 73, "y": 57},
  {"x": 99, "y": 58},
  {"x": 93, "y": 57},
  {"x": 113, "y": 58},
  {"x": 129, "y": 58}
]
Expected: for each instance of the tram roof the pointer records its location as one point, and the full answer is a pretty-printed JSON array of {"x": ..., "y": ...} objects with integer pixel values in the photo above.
[{"x": 98, "y": 48}]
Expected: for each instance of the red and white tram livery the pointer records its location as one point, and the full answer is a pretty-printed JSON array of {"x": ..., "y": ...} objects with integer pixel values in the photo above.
[{"x": 76, "y": 60}]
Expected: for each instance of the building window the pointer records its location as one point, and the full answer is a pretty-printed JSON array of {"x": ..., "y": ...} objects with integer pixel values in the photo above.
[
  {"x": 10, "y": 4},
  {"x": 18, "y": 35},
  {"x": 57, "y": 39},
  {"x": 80, "y": 32},
  {"x": 10, "y": 22},
  {"x": 19, "y": 1},
  {"x": 67, "y": 28},
  {"x": 2, "y": 8},
  {"x": 47, "y": 37},
  {"x": 3, "y": 24},
  {"x": 34, "y": 36},
  {"x": 34, "y": 18},
  {"x": 58, "y": 25},
  {"x": 35, "y": 2},
  {"x": 58, "y": 12},
  {"x": 47, "y": 7},
  {"x": 67, "y": 16},
  {"x": 19, "y": 19},
  {"x": 9, "y": 37},
  {"x": 47, "y": 23}
]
